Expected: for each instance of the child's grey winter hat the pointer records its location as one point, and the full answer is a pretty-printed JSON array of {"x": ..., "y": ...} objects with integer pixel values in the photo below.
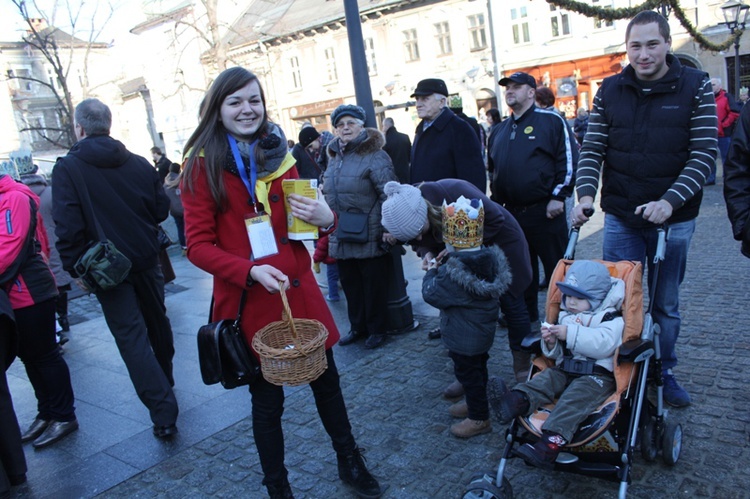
[{"x": 587, "y": 279}]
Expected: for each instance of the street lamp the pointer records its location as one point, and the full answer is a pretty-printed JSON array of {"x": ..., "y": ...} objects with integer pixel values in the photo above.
[{"x": 735, "y": 16}]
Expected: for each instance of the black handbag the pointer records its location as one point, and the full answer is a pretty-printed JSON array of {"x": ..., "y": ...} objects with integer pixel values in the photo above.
[
  {"x": 223, "y": 353},
  {"x": 352, "y": 227}
]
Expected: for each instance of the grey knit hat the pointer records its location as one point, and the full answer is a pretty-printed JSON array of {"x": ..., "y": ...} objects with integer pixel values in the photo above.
[
  {"x": 404, "y": 212},
  {"x": 347, "y": 110},
  {"x": 588, "y": 280}
]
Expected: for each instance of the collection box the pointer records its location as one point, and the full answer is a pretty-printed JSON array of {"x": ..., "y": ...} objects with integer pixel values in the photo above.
[{"x": 298, "y": 229}]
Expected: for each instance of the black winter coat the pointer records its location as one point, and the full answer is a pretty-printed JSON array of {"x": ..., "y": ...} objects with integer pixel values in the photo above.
[
  {"x": 398, "y": 147},
  {"x": 127, "y": 196},
  {"x": 466, "y": 288},
  {"x": 449, "y": 148},
  {"x": 737, "y": 181}
]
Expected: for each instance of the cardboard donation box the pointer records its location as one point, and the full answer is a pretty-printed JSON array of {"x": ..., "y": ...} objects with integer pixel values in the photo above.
[{"x": 298, "y": 229}]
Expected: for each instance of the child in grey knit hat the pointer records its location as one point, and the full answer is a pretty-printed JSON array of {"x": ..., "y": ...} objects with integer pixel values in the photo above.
[{"x": 583, "y": 345}]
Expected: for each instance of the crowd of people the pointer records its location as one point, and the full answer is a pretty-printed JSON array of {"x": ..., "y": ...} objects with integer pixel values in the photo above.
[{"x": 480, "y": 252}]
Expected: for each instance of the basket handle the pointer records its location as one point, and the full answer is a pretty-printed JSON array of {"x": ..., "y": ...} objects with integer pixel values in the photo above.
[{"x": 288, "y": 313}]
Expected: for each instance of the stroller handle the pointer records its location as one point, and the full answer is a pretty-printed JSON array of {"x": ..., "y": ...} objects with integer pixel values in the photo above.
[
  {"x": 570, "y": 251},
  {"x": 661, "y": 244}
]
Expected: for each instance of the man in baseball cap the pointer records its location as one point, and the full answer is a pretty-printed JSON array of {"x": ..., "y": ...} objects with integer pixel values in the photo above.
[{"x": 520, "y": 78}]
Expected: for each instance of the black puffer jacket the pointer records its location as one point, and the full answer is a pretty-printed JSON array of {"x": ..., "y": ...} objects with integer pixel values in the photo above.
[
  {"x": 737, "y": 181},
  {"x": 466, "y": 288}
]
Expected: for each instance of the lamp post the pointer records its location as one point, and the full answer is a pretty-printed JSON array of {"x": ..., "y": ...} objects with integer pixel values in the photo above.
[{"x": 735, "y": 16}]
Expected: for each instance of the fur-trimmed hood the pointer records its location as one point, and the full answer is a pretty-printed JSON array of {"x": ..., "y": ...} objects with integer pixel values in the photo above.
[
  {"x": 369, "y": 141},
  {"x": 481, "y": 273}
]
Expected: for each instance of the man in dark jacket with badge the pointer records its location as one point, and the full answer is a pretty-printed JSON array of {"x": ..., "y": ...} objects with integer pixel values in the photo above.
[
  {"x": 100, "y": 177},
  {"x": 444, "y": 146},
  {"x": 533, "y": 159},
  {"x": 652, "y": 136}
]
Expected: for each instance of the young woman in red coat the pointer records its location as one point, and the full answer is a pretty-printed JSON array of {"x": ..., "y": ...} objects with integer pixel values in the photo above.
[{"x": 221, "y": 198}]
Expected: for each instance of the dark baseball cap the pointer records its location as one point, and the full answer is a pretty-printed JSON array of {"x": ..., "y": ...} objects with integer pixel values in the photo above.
[
  {"x": 520, "y": 78},
  {"x": 431, "y": 86}
]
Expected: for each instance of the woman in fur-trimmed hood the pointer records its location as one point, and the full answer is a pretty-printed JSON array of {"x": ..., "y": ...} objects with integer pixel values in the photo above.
[{"x": 357, "y": 172}]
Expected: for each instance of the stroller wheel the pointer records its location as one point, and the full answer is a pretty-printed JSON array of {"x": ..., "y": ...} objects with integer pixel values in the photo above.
[
  {"x": 671, "y": 443},
  {"x": 482, "y": 487},
  {"x": 648, "y": 440}
]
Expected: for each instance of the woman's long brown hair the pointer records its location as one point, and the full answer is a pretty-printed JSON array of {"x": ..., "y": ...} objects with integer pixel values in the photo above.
[{"x": 211, "y": 137}]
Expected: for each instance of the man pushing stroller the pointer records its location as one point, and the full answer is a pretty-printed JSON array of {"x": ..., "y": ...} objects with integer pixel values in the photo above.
[{"x": 583, "y": 345}]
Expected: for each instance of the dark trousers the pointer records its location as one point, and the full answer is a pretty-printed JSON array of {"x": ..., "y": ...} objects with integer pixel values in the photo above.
[
  {"x": 47, "y": 371},
  {"x": 137, "y": 318},
  {"x": 517, "y": 317},
  {"x": 180, "y": 224},
  {"x": 61, "y": 303},
  {"x": 547, "y": 240},
  {"x": 471, "y": 372},
  {"x": 12, "y": 458},
  {"x": 365, "y": 283},
  {"x": 268, "y": 406},
  {"x": 577, "y": 397}
]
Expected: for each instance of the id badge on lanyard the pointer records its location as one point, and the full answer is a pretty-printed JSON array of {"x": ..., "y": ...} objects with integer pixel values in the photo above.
[{"x": 258, "y": 224}]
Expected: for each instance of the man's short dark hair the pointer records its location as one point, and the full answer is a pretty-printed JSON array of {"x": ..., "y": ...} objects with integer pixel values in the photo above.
[
  {"x": 388, "y": 121},
  {"x": 545, "y": 97},
  {"x": 648, "y": 17},
  {"x": 156, "y": 150},
  {"x": 94, "y": 117}
]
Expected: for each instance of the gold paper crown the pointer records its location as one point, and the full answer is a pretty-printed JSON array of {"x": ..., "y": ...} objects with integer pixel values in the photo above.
[{"x": 463, "y": 225}]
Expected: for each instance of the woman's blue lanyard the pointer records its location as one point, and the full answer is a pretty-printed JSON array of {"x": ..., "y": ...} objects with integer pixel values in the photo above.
[{"x": 250, "y": 185}]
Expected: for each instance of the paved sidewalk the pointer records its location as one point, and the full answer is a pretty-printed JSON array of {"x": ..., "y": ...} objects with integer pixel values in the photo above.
[{"x": 393, "y": 396}]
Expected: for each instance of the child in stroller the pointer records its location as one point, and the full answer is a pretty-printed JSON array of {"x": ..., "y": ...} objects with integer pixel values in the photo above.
[{"x": 583, "y": 346}]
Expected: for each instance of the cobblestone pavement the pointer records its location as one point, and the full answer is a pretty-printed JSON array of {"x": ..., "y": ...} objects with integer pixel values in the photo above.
[{"x": 398, "y": 415}]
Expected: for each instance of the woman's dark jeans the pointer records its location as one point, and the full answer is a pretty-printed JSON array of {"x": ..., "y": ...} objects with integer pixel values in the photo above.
[{"x": 268, "y": 406}]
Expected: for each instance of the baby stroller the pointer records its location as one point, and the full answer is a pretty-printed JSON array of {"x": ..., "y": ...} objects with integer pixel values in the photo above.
[{"x": 604, "y": 444}]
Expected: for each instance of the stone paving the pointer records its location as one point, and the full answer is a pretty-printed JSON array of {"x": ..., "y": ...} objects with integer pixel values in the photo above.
[{"x": 398, "y": 415}]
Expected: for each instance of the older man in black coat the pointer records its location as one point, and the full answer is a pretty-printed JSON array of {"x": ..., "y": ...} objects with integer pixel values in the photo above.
[{"x": 444, "y": 146}]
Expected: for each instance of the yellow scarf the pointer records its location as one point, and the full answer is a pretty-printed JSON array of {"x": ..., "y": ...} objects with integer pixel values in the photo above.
[{"x": 262, "y": 185}]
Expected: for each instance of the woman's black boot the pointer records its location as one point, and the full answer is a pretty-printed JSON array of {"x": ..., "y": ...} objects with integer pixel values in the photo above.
[
  {"x": 353, "y": 472},
  {"x": 281, "y": 490}
]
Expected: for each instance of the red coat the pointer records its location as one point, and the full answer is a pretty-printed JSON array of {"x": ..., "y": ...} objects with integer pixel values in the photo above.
[
  {"x": 321, "y": 252},
  {"x": 726, "y": 116},
  {"x": 218, "y": 243}
]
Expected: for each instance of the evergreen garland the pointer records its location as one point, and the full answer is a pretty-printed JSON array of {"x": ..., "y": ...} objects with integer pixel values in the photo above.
[{"x": 630, "y": 12}]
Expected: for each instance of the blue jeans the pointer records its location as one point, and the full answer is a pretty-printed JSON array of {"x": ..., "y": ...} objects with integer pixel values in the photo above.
[
  {"x": 332, "y": 273},
  {"x": 625, "y": 243},
  {"x": 724, "y": 143}
]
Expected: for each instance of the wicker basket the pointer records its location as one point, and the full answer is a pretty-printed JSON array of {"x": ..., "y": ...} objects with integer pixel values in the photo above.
[{"x": 292, "y": 351}]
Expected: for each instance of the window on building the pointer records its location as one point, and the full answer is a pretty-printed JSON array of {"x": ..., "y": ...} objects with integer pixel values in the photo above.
[
  {"x": 372, "y": 66},
  {"x": 443, "y": 37},
  {"x": 411, "y": 46},
  {"x": 296, "y": 73},
  {"x": 519, "y": 18},
  {"x": 331, "y": 72},
  {"x": 559, "y": 21},
  {"x": 54, "y": 81},
  {"x": 477, "y": 32},
  {"x": 600, "y": 23}
]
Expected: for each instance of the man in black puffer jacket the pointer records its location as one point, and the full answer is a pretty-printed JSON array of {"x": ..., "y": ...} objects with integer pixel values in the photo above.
[
  {"x": 653, "y": 134},
  {"x": 737, "y": 181},
  {"x": 100, "y": 176}
]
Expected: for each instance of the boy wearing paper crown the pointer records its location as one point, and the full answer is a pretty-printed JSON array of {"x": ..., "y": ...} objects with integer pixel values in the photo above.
[{"x": 465, "y": 285}]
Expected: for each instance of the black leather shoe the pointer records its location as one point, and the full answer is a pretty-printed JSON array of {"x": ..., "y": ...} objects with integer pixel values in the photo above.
[
  {"x": 434, "y": 334},
  {"x": 280, "y": 490},
  {"x": 374, "y": 341},
  {"x": 350, "y": 338},
  {"x": 36, "y": 429},
  {"x": 64, "y": 323},
  {"x": 353, "y": 472},
  {"x": 16, "y": 480},
  {"x": 54, "y": 432},
  {"x": 164, "y": 432}
]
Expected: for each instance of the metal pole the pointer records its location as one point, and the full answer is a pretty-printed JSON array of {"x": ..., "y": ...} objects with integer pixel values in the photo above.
[
  {"x": 737, "y": 66},
  {"x": 495, "y": 74},
  {"x": 400, "y": 317},
  {"x": 362, "y": 89}
]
